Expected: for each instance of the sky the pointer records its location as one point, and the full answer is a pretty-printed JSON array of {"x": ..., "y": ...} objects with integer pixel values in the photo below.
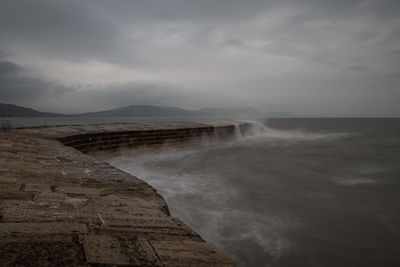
[{"x": 308, "y": 57}]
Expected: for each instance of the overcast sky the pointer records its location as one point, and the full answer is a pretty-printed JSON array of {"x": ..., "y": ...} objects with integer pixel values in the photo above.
[{"x": 316, "y": 57}]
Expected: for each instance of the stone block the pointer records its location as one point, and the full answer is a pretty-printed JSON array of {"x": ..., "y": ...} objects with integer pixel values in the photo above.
[
  {"x": 30, "y": 252},
  {"x": 139, "y": 211},
  {"x": 9, "y": 186},
  {"x": 156, "y": 225},
  {"x": 152, "y": 233},
  {"x": 17, "y": 195},
  {"x": 8, "y": 178},
  {"x": 188, "y": 253},
  {"x": 134, "y": 221},
  {"x": 78, "y": 190},
  {"x": 42, "y": 214},
  {"x": 118, "y": 250},
  {"x": 41, "y": 228},
  {"x": 29, "y": 214},
  {"x": 37, "y": 187},
  {"x": 49, "y": 196}
]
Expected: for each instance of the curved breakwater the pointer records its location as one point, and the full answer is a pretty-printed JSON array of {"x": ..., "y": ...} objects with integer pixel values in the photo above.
[
  {"x": 89, "y": 142},
  {"x": 59, "y": 206}
]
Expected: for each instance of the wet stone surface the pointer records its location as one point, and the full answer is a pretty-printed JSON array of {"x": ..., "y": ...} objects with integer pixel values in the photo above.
[{"x": 60, "y": 207}]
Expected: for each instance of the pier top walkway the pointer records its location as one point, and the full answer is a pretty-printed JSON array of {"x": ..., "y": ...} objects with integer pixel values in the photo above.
[
  {"x": 71, "y": 130},
  {"x": 61, "y": 207}
]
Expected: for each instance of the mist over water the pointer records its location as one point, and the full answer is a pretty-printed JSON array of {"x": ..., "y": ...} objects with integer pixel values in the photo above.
[{"x": 294, "y": 192}]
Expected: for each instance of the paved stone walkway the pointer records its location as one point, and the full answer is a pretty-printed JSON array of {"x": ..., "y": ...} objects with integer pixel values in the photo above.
[{"x": 60, "y": 207}]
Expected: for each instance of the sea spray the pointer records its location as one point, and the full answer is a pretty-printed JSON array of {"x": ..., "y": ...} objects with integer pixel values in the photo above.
[
  {"x": 259, "y": 130},
  {"x": 238, "y": 131},
  {"x": 203, "y": 197}
]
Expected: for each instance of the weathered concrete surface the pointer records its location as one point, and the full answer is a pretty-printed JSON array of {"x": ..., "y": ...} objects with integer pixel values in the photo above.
[{"x": 60, "y": 207}]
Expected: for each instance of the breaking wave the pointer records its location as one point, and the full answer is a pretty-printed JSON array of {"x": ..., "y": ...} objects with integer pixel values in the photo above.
[{"x": 260, "y": 130}]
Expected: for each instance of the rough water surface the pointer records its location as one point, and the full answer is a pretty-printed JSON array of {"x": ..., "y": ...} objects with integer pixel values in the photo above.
[{"x": 293, "y": 192}]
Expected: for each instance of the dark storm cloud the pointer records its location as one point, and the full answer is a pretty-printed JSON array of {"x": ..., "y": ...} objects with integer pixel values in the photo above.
[
  {"x": 357, "y": 68},
  {"x": 16, "y": 86},
  {"x": 7, "y": 67},
  {"x": 206, "y": 10},
  {"x": 80, "y": 30},
  {"x": 185, "y": 10},
  {"x": 310, "y": 56},
  {"x": 67, "y": 29}
]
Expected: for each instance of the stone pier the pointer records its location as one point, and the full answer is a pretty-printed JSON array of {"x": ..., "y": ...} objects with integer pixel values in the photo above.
[{"x": 62, "y": 207}]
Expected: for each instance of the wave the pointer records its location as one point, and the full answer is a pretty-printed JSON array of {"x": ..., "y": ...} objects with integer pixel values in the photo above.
[{"x": 259, "y": 130}]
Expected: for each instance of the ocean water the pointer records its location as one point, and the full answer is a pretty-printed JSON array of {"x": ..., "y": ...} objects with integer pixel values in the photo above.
[{"x": 294, "y": 192}]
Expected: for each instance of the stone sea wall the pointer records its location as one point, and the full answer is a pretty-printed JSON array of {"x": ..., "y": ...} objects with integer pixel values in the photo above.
[
  {"x": 61, "y": 207},
  {"x": 113, "y": 140}
]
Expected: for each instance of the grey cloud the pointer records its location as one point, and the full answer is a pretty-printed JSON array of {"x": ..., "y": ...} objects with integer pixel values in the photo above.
[
  {"x": 357, "y": 68},
  {"x": 66, "y": 29},
  {"x": 7, "y": 67},
  {"x": 184, "y": 10},
  {"x": 16, "y": 87},
  {"x": 204, "y": 53},
  {"x": 97, "y": 30},
  {"x": 228, "y": 10}
]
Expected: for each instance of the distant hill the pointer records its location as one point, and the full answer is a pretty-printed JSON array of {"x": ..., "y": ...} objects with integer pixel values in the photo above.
[
  {"x": 141, "y": 111},
  {"x": 17, "y": 111},
  {"x": 138, "y": 111},
  {"x": 157, "y": 111}
]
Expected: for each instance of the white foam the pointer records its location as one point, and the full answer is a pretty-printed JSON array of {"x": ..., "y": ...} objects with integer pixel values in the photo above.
[
  {"x": 361, "y": 175},
  {"x": 356, "y": 181},
  {"x": 260, "y": 130},
  {"x": 238, "y": 132}
]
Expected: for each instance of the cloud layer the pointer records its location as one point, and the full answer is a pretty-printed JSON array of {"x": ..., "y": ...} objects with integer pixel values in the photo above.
[{"x": 319, "y": 58}]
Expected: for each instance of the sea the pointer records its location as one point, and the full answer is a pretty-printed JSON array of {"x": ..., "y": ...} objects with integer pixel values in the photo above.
[{"x": 291, "y": 192}]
